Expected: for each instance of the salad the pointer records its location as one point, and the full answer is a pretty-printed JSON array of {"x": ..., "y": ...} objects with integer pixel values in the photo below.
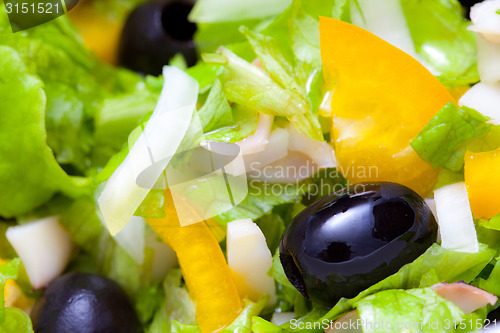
[{"x": 251, "y": 166}]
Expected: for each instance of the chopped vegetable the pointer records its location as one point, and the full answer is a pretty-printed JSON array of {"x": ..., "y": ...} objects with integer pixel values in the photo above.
[
  {"x": 443, "y": 140},
  {"x": 484, "y": 98},
  {"x": 210, "y": 282},
  {"x": 482, "y": 177},
  {"x": 456, "y": 225},
  {"x": 372, "y": 127},
  {"x": 163, "y": 134},
  {"x": 44, "y": 247},
  {"x": 12, "y": 319},
  {"x": 250, "y": 260}
]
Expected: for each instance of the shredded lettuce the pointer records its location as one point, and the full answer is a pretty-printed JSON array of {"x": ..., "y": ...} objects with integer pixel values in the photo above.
[
  {"x": 177, "y": 310},
  {"x": 263, "y": 197},
  {"x": 434, "y": 266},
  {"x": 216, "y": 111},
  {"x": 211, "y": 11},
  {"x": 12, "y": 319},
  {"x": 420, "y": 310},
  {"x": 443, "y": 140},
  {"x": 23, "y": 138},
  {"x": 439, "y": 32}
]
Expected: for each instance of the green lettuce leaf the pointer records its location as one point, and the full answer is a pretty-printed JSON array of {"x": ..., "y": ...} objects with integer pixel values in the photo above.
[
  {"x": 178, "y": 312},
  {"x": 434, "y": 266},
  {"x": 421, "y": 310},
  {"x": 68, "y": 134},
  {"x": 216, "y": 111},
  {"x": 29, "y": 172},
  {"x": 263, "y": 197},
  {"x": 210, "y": 11},
  {"x": 493, "y": 223},
  {"x": 439, "y": 31},
  {"x": 492, "y": 282},
  {"x": 245, "y": 121},
  {"x": 12, "y": 319},
  {"x": 443, "y": 140},
  {"x": 250, "y": 86},
  {"x": 243, "y": 323},
  {"x": 260, "y": 325}
]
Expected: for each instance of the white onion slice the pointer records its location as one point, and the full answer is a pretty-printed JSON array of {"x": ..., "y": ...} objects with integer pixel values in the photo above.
[
  {"x": 44, "y": 248},
  {"x": 484, "y": 98},
  {"x": 258, "y": 141},
  {"x": 156, "y": 145},
  {"x": 488, "y": 60},
  {"x": 280, "y": 318},
  {"x": 249, "y": 257},
  {"x": 164, "y": 258},
  {"x": 485, "y": 20},
  {"x": 319, "y": 151},
  {"x": 387, "y": 21},
  {"x": 455, "y": 220},
  {"x": 275, "y": 149},
  {"x": 293, "y": 168},
  {"x": 131, "y": 238}
]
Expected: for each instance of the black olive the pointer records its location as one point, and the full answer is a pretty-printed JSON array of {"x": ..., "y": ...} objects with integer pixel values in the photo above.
[
  {"x": 154, "y": 32},
  {"x": 353, "y": 238},
  {"x": 84, "y": 303}
]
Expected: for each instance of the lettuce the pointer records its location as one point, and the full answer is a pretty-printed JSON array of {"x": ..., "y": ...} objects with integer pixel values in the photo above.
[
  {"x": 218, "y": 20},
  {"x": 66, "y": 121},
  {"x": 28, "y": 170},
  {"x": 12, "y": 319},
  {"x": 178, "y": 312},
  {"x": 243, "y": 323},
  {"x": 250, "y": 86},
  {"x": 439, "y": 32},
  {"x": 420, "y": 310},
  {"x": 245, "y": 121},
  {"x": 443, "y": 140},
  {"x": 210, "y": 11},
  {"x": 263, "y": 197},
  {"x": 434, "y": 266}
]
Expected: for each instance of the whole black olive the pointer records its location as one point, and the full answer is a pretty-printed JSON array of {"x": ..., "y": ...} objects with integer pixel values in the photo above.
[
  {"x": 353, "y": 238},
  {"x": 154, "y": 32},
  {"x": 84, "y": 303}
]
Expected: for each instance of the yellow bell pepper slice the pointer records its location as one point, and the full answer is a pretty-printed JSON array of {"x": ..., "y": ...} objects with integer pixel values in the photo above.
[
  {"x": 382, "y": 99},
  {"x": 205, "y": 270},
  {"x": 482, "y": 177},
  {"x": 100, "y": 33},
  {"x": 14, "y": 296}
]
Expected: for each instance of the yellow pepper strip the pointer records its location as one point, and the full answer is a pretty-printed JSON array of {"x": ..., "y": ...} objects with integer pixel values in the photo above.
[
  {"x": 100, "y": 33},
  {"x": 482, "y": 177},
  {"x": 383, "y": 98},
  {"x": 204, "y": 268},
  {"x": 14, "y": 296}
]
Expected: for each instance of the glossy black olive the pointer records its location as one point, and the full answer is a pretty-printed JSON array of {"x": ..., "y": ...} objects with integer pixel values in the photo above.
[
  {"x": 353, "y": 238},
  {"x": 84, "y": 303},
  {"x": 154, "y": 32}
]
